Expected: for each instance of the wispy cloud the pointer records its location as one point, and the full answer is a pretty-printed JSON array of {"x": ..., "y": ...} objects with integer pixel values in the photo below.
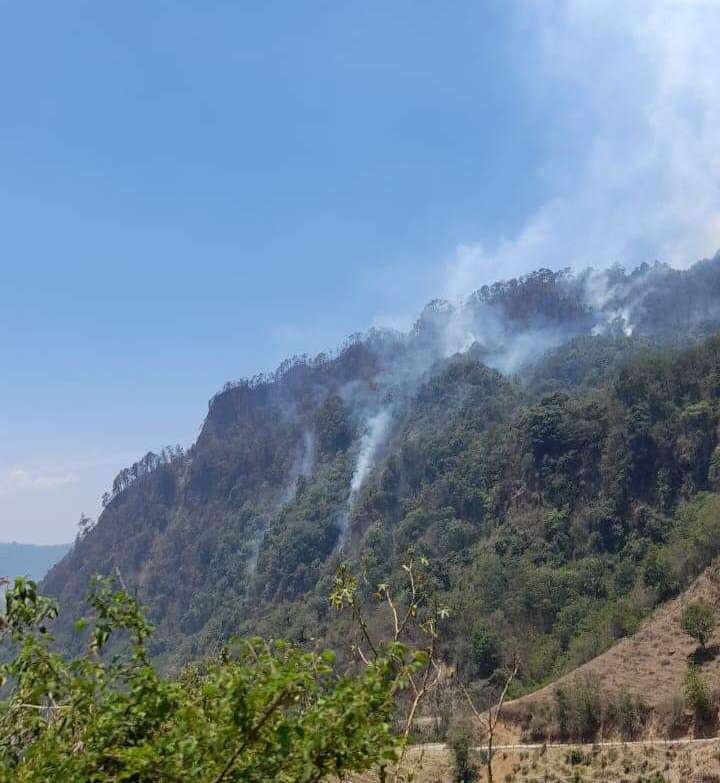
[
  {"x": 632, "y": 92},
  {"x": 19, "y": 479}
]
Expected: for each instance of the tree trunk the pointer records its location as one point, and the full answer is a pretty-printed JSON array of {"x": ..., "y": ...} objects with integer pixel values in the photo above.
[{"x": 489, "y": 759}]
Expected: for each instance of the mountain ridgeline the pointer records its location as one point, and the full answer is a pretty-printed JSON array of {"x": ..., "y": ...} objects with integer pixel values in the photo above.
[{"x": 551, "y": 444}]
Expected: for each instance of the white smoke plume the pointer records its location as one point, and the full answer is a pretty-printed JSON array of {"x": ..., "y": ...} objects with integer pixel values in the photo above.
[
  {"x": 630, "y": 96},
  {"x": 376, "y": 429},
  {"x": 371, "y": 440},
  {"x": 446, "y": 329},
  {"x": 610, "y": 302}
]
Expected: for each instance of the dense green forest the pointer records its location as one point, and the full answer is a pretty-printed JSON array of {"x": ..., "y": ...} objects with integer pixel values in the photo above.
[{"x": 551, "y": 445}]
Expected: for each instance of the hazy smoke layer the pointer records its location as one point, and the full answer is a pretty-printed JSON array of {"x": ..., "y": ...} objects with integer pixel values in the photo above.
[
  {"x": 630, "y": 96},
  {"x": 303, "y": 465}
]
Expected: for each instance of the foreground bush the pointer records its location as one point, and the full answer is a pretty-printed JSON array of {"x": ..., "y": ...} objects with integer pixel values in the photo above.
[{"x": 262, "y": 712}]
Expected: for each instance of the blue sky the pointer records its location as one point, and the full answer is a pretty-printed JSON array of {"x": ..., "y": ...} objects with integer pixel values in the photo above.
[{"x": 192, "y": 191}]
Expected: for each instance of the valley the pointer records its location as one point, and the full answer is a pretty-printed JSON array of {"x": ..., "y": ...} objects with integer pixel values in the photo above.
[{"x": 29, "y": 559}]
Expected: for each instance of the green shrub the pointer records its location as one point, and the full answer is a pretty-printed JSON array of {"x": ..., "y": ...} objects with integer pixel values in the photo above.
[
  {"x": 460, "y": 741},
  {"x": 260, "y": 712},
  {"x": 629, "y": 714},
  {"x": 486, "y": 650},
  {"x": 578, "y": 708},
  {"x": 698, "y": 621},
  {"x": 698, "y": 695},
  {"x": 576, "y": 756}
]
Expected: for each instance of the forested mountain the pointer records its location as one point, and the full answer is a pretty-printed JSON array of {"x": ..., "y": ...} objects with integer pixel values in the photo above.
[{"x": 551, "y": 444}]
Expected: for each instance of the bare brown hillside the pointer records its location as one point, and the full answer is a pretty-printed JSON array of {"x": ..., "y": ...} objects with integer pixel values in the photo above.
[{"x": 652, "y": 663}]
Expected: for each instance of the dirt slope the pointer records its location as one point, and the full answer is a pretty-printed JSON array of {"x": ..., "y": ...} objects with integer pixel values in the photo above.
[{"x": 651, "y": 664}]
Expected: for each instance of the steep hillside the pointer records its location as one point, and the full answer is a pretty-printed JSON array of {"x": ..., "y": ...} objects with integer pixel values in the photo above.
[
  {"x": 649, "y": 667},
  {"x": 544, "y": 443}
]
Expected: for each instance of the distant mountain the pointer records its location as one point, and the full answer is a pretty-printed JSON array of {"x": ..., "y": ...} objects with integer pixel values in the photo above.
[
  {"x": 550, "y": 444},
  {"x": 31, "y": 560}
]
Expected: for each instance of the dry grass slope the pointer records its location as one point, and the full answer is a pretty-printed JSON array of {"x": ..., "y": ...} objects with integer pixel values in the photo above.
[
  {"x": 696, "y": 763},
  {"x": 651, "y": 664}
]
